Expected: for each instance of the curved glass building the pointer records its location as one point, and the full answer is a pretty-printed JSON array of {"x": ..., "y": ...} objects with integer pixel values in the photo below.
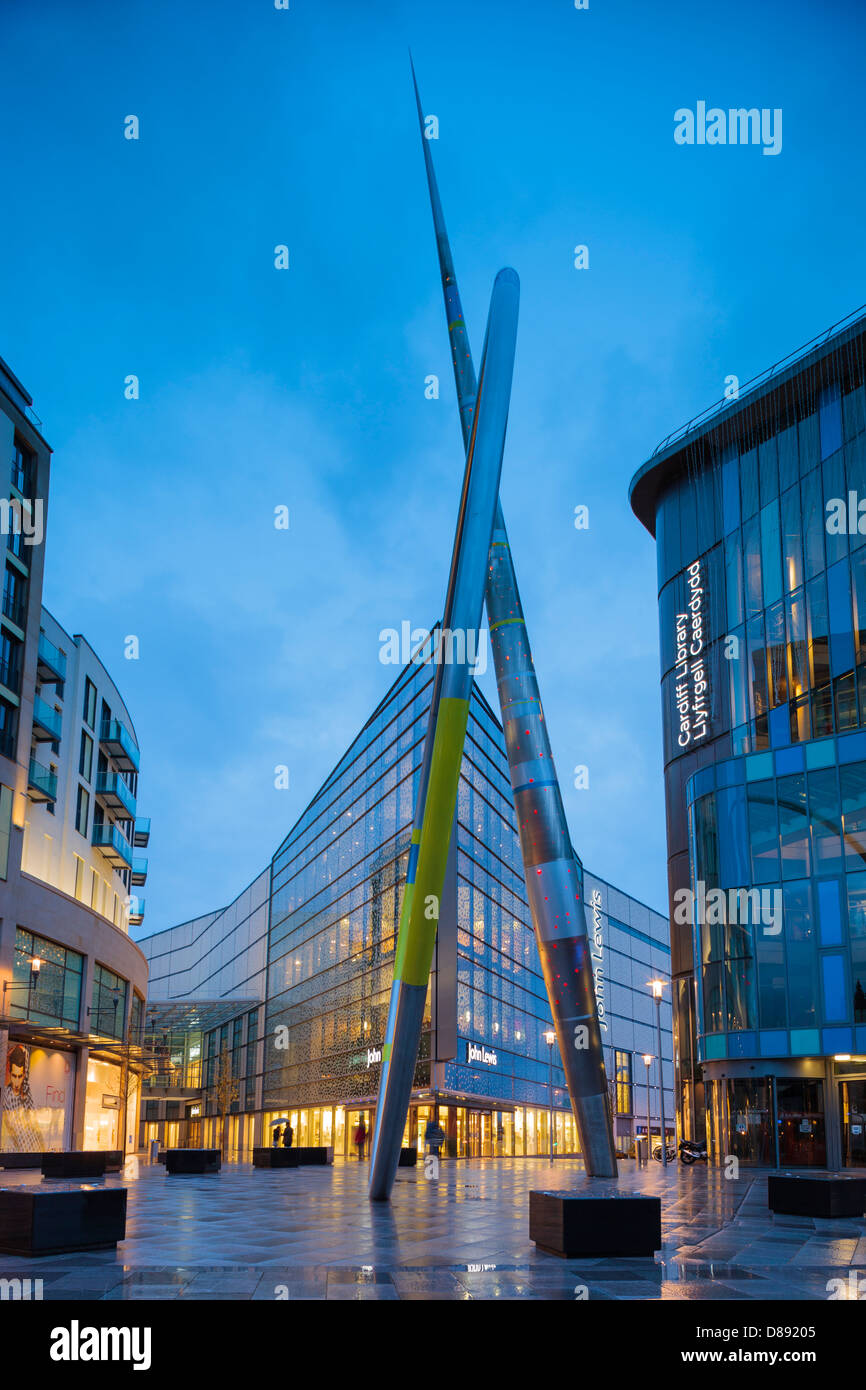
[
  {"x": 293, "y": 979},
  {"x": 759, "y": 513}
]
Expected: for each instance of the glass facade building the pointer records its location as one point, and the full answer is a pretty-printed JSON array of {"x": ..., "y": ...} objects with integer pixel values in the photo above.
[
  {"x": 333, "y": 893},
  {"x": 761, "y": 544}
]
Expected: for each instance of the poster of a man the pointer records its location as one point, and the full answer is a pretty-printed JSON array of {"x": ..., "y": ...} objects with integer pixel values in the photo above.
[
  {"x": 37, "y": 1098},
  {"x": 20, "y": 1132}
]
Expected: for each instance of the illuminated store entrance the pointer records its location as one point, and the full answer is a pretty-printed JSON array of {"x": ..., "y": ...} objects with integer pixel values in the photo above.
[
  {"x": 767, "y": 1121},
  {"x": 852, "y": 1108},
  {"x": 471, "y": 1131}
]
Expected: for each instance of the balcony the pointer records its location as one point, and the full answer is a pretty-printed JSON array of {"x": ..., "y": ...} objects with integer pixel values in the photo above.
[
  {"x": 10, "y": 673},
  {"x": 139, "y": 872},
  {"x": 41, "y": 782},
  {"x": 141, "y": 835},
  {"x": 47, "y": 722},
  {"x": 51, "y": 662},
  {"x": 118, "y": 742},
  {"x": 14, "y": 608},
  {"x": 113, "y": 792},
  {"x": 136, "y": 911},
  {"x": 111, "y": 842}
]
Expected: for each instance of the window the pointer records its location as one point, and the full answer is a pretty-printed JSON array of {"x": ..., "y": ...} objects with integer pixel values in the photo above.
[
  {"x": 136, "y": 1017},
  {"x": 23, "y": 469},
  {"x": 10, "y": 663},
  {"x": 55, "y": 995},
  {"x": 82, "y": 811},
  {"x": 622, "y": 1066},
  {"x": 830, "y": 420},
  {"x": 85, "y": 761},
  {"x": 108, "y": 1003},
  {"x": 89, "y": 703},
  {"x": 14, "y": 593},
  {"x": 835, "y": 997},
  {"x": 79, "y": 877},
  {"x": 853, "y": 785},
  {"x": 8, "y": 727},
  {"x": 5, "y": 828}
]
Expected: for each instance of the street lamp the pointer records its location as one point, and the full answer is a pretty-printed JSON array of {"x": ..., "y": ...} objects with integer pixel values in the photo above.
[
  {"x": 648, "y": 1061},
  {"x": 550, "y": 1039},
  {"x": 29, "y": 985},
  {"x": 657, "y": 986}
]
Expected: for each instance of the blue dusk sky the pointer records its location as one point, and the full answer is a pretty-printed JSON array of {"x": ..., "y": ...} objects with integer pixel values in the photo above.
[{"x": 305, "y": 387}]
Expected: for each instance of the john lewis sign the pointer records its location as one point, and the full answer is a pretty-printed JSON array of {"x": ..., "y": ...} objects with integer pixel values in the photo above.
[{"x": 485, "y": 1055}]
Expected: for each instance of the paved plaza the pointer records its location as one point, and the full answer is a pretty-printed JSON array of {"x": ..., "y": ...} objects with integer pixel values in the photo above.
[{"x": 311, "y": 1233}]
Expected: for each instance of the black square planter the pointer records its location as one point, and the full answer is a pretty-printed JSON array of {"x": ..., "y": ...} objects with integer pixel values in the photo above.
[
  {"x": 575, "y": 1225},
  {"x": 408, "y": 1158},
  {"x": 82, "y": 1163},
  {"x": 275, "y": 1158},
  {"x": 315, "y": 1155},
  {"x": 816, "y": 1194},
  {"x": 36, "y": 1222},
  {"x": 192, "y": 1160}
]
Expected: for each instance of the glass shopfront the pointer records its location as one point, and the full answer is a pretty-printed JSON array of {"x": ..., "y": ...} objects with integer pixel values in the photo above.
[
  {"x": 852, "y": 1105},
  {"x": 747, "y": 1117},
  {"x": 103, "y": 1106},
  {"x": 802, "y": 1141},
  {"x": 471, "y": 1131}
]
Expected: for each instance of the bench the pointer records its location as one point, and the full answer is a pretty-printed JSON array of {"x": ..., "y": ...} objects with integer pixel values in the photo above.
[
  {"x": 577, "y": 1225},
  {"x": 38, "y": 1222},
  {"x": 315, "y": 1155},
  {"x": 80, "y": 1163},
  {"x": 192, "y": 1160},
  {"x": 816, "y": 1194},
  {"x": 275, "y": 1158}
]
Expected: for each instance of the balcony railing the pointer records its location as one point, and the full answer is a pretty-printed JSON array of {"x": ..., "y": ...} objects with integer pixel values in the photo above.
[
  {"x": 118, "y": 741},
  {"x": 136, "y": 912},
  {"x": 51, "y": 661},
  {"x": 14, "y": 608},
  {"x": 10, "y": 673},
  {"x": 141, "y": 834},
  {"x": 47, "y": 723},
  {"x": 113, "y": 844},
  {"x": 139, "y": 872},
  {"x": 113, "y": 792},
  {"x": 41, "y": 782}
]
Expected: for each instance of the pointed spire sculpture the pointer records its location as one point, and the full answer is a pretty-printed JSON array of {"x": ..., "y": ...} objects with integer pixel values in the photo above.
[
  {"x": 554, "y": 874},
  {"x": 443, "y": 752}
]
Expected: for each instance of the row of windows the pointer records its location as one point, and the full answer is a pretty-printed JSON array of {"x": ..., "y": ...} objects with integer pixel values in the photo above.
[
  {"x": 51, "y": 994},
  {"x": 767, "y": 831},
  {"x": 720, "y": 492}
]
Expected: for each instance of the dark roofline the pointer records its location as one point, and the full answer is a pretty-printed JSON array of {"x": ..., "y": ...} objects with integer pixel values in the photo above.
[{"x": 669, "y": 458}]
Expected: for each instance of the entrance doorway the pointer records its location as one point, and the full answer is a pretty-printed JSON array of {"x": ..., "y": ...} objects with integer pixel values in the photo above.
[
  {"x": 353, "y": 1120},
  {"x": 480, "y": 1134},
  {"x": 802, "y": 1142},
  {"x": 852, "y": 1107}
]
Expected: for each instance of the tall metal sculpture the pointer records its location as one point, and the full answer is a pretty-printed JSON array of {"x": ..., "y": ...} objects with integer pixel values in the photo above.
[
  {"x": 554, "y": 874},
  {"x": 443, "y": 754}
]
